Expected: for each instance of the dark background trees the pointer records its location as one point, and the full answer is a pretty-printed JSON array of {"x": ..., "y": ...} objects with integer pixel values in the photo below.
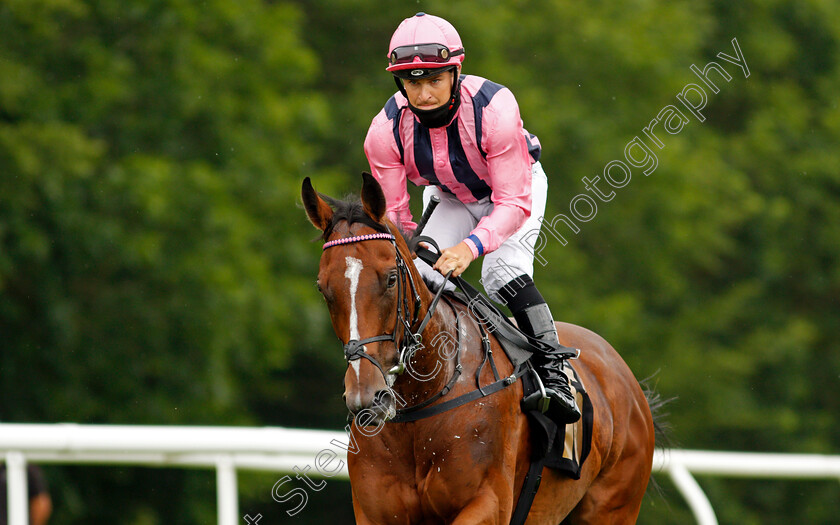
[{"x": 155, "y": 269}]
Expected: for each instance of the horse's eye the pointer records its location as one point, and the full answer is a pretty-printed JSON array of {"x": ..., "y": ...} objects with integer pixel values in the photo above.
[{"x": 392, "y": 280}]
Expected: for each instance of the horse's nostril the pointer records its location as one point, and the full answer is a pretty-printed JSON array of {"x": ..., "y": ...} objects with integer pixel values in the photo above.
[{"x": 383, "y": 398}]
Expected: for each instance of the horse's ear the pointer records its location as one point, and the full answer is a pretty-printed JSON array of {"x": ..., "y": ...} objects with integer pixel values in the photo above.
[
  {"x": 373, "y": 199},
  {"x": 317, "y": 209}
]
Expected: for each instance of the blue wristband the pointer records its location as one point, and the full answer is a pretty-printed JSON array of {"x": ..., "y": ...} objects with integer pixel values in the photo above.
[{"x": 478, "y": 244}]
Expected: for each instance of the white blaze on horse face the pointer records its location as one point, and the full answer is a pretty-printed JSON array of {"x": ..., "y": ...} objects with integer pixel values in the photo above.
[{"x": 354, "y": 269}]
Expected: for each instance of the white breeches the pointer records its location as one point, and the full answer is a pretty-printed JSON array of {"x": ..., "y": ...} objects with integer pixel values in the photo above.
[{"x": 453, "y": 221}]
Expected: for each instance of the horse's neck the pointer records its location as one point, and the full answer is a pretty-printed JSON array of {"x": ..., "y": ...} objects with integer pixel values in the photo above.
[{"x": 432, "y": 365}]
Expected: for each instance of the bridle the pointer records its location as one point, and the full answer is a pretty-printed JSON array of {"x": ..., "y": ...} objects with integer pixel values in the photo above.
[{"x": 411, "y": 339}]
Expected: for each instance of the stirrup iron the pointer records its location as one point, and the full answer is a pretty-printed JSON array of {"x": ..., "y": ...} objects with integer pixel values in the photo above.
[{"x": 538, "y": 400}]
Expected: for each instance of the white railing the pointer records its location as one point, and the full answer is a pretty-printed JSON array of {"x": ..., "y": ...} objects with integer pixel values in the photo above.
[
  {"x": 679, "y": 464},
  {"x": 225, "y": 449},
  {"x": 229, "y": 449}
]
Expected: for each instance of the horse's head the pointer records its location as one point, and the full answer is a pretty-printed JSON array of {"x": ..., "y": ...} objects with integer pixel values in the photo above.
[{"x": 369, "y": 283}]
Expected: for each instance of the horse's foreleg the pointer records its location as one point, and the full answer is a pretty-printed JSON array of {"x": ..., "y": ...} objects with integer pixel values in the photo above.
[{"x": 486, "y": 508}]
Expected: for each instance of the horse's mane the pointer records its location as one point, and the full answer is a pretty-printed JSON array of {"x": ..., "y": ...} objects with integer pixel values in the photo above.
[{"x": 351, "y": 210}]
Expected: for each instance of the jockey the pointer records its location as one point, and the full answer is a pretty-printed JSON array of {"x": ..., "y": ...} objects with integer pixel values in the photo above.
[{"x": 462, "y": 137}]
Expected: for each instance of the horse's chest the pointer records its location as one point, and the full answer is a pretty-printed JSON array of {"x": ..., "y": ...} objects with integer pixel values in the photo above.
[
  {"x": 427, "y": 479},
  {"x": 431, "y": 473},
  {"x": 447, "y": 476}
]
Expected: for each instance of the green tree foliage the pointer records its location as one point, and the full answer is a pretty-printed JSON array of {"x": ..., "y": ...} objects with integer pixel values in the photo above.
[
  {"x": 149, "y": 154},
  {"x": 154, "y": 266}
]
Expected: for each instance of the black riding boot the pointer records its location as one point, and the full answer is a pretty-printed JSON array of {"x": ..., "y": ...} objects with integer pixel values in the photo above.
[
  {"x": 534, "y": 318},
  {"x": 537, "y": 322}
]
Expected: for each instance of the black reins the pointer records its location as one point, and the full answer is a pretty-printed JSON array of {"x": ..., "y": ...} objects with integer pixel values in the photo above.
[
  {"x": 412, "y": 340},
  {"x": 423, "y": 409}
]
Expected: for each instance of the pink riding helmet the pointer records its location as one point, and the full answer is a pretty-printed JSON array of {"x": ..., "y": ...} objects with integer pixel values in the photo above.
[{"x": 422, "y": 43}]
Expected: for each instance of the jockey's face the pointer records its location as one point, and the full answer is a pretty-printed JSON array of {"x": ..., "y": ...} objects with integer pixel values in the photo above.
[{"x": 429, "y": 93}]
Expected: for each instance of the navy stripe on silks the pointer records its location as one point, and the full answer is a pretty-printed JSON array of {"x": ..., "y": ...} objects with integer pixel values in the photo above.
[
  {"x": 394, "y": 114},
  {"x": 533, "y": 149},
  {"x": 480, "y": 101},
  {"x": 461, "y": 166},
  {"x": 423, "y": 156}
]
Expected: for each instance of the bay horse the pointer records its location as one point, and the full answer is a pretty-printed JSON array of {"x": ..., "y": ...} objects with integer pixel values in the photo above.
[{"x": 464, "y": 466}]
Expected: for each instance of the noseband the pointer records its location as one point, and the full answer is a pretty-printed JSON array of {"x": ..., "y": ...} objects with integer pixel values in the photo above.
[{"x": 411, "y": 340}]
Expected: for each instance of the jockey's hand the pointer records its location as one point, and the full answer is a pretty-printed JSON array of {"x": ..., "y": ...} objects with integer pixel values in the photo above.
[{"x": 457, "y": 258}]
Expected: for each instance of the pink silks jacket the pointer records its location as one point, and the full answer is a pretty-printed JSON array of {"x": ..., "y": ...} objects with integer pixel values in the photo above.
[{"x": 483, "y": 152}]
